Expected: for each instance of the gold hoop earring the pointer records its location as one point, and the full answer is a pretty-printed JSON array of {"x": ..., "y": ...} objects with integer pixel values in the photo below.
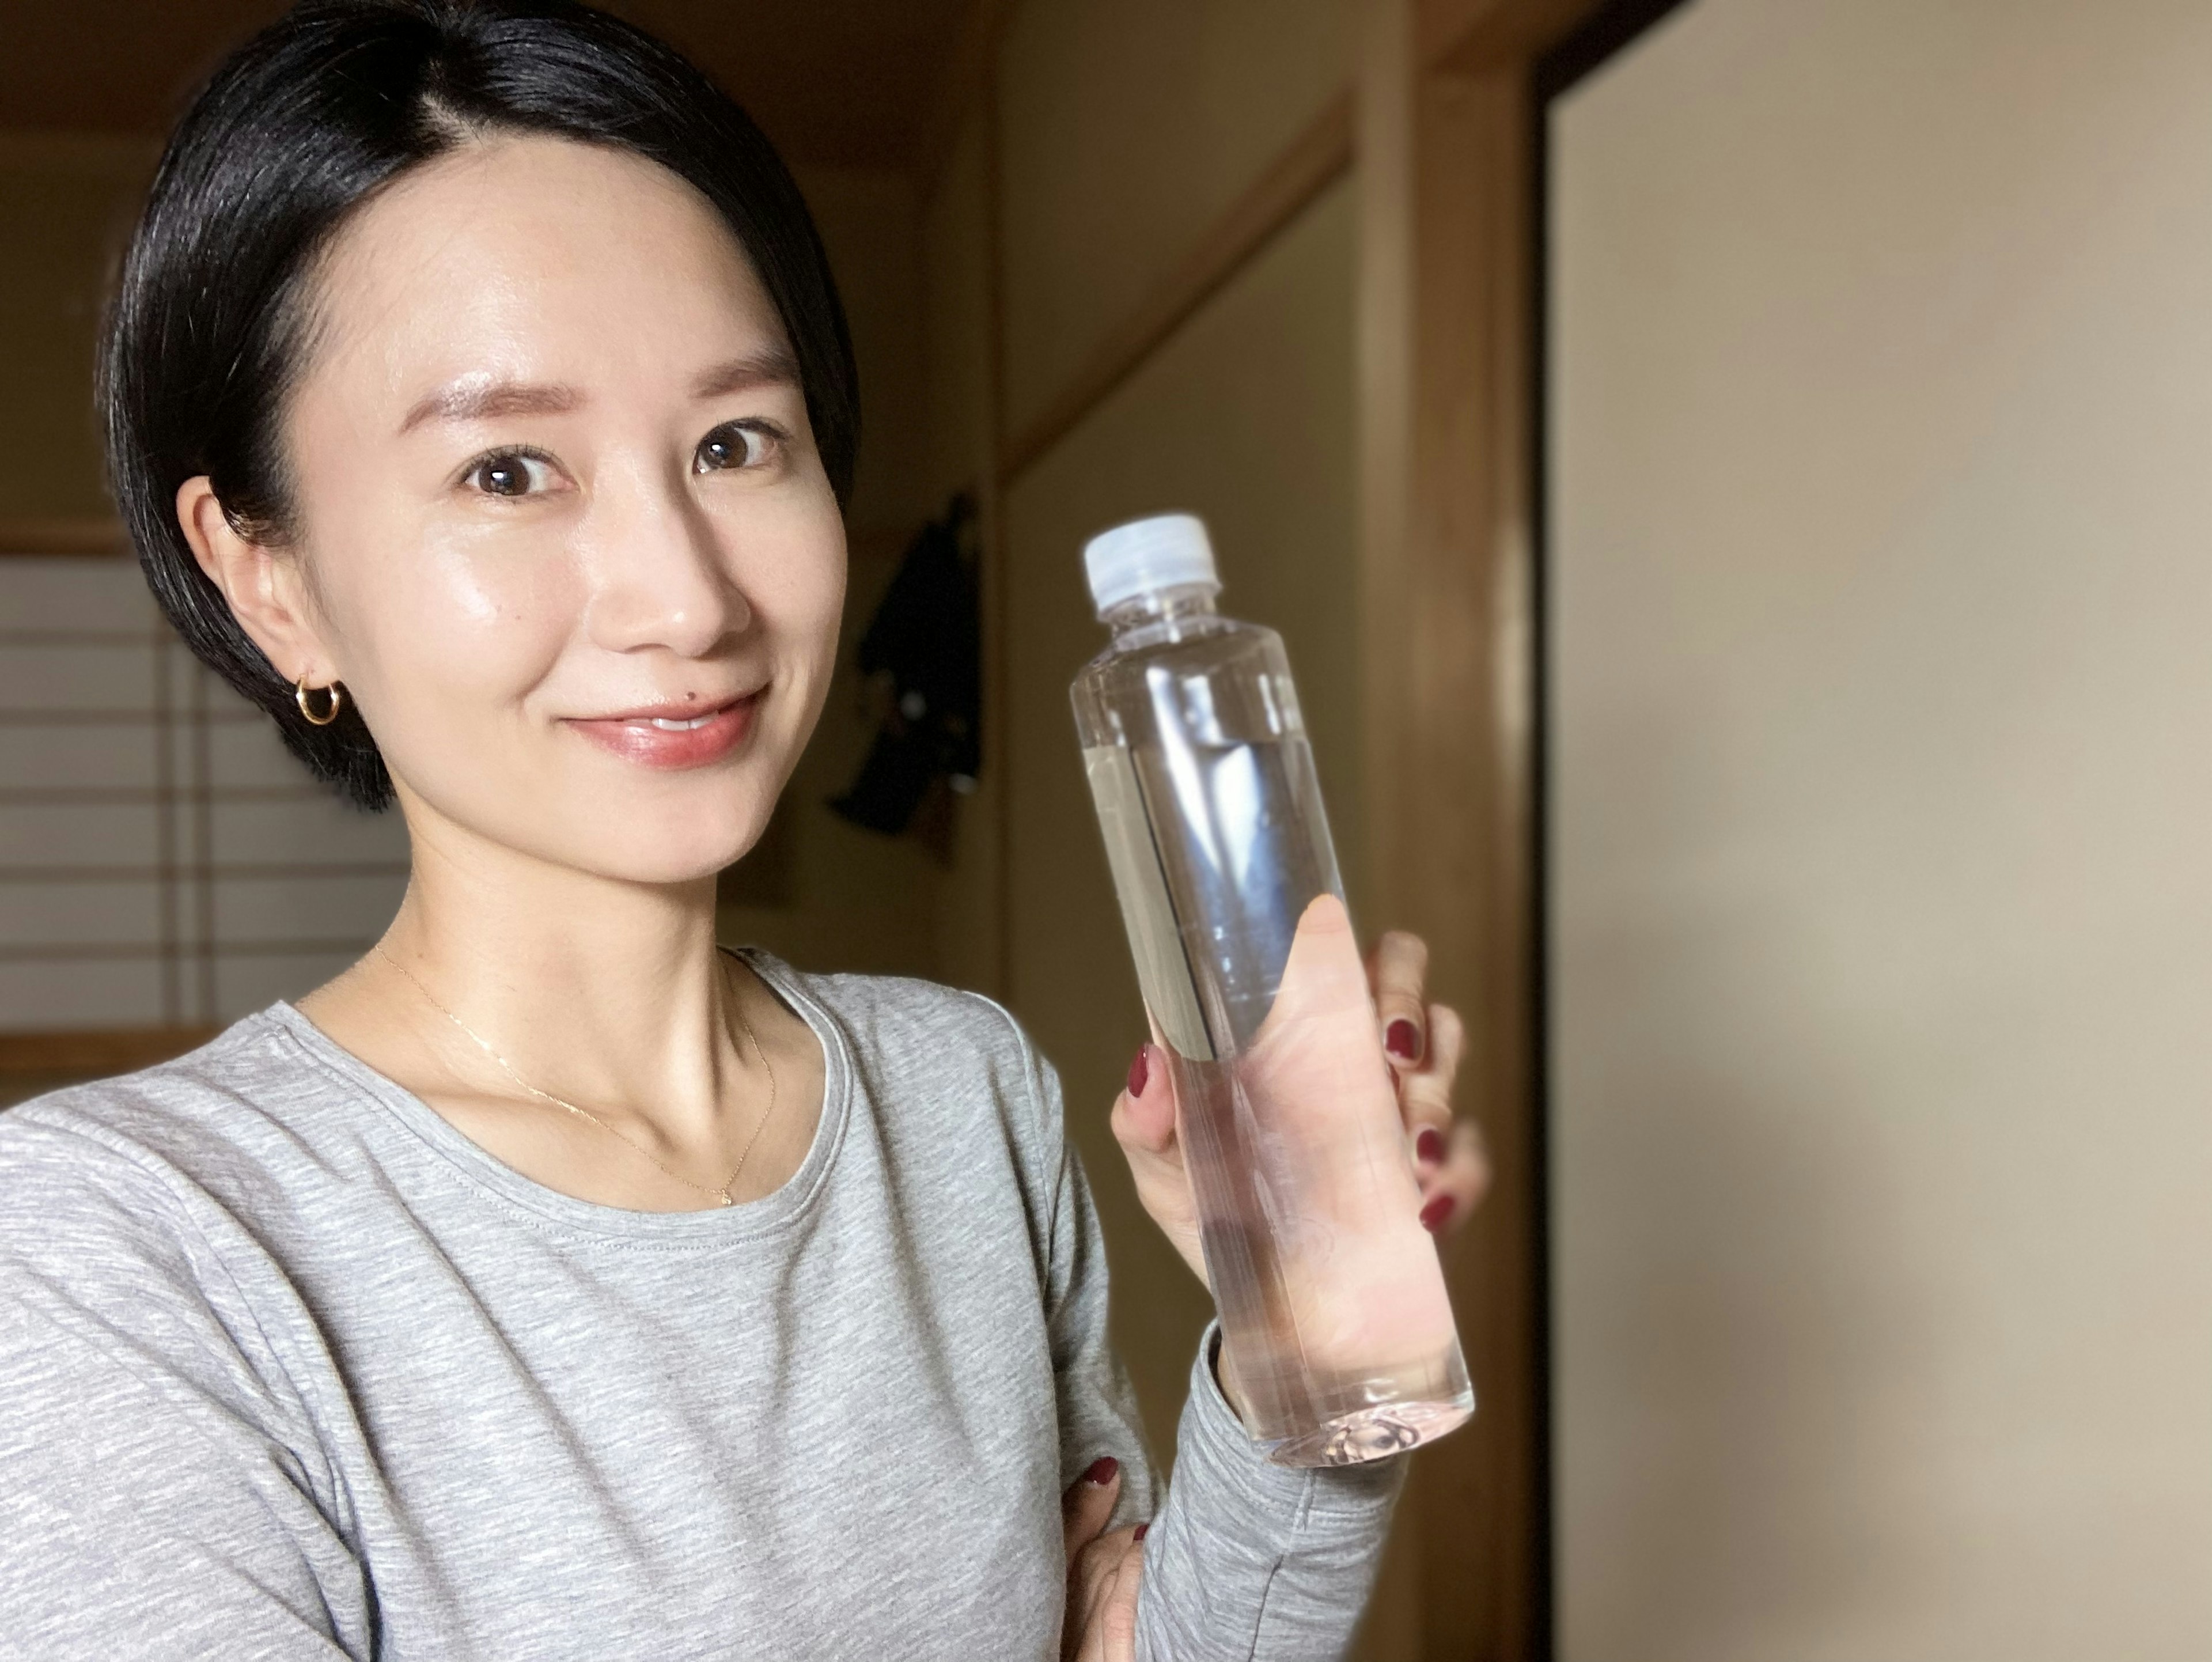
[{"x": 299, "y": 691}]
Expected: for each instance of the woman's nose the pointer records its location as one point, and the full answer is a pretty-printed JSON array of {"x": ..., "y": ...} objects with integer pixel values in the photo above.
[{"x": 661, "y": 574}]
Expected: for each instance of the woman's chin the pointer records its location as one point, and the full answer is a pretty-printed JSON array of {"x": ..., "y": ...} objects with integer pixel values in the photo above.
[
  {"x": 640, "y": 838},
  {"x": 687, "y": 855}
]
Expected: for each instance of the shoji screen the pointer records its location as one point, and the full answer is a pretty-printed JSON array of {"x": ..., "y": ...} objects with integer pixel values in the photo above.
[{"x": 162, "y": 860}]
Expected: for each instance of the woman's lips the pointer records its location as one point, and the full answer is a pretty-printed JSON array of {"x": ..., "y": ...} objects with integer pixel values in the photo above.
[{"x": 674, "y": 739}]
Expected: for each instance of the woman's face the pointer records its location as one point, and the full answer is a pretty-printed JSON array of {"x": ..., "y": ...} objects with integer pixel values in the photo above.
[{"x": 563, "y": 531}]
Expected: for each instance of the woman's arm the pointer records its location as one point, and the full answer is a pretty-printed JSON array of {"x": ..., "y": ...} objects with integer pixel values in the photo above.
[
  {"x": 1247, "y": 1562},
  {"x": 1097, "y": 1406},
  {"x": 151, "y": 1506}
]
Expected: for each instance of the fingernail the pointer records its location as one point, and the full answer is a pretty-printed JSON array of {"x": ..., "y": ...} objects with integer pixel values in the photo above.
[
  {"x": 1141, "y": 1070},
  {"x": 1429, "y": 1146},
  {"x": 1101, "y": 1471},
  {"x": 1139, "y": 1535},
  {"x": 1403, "y": 1040},
  {"x": 1437, "y": 1213}
]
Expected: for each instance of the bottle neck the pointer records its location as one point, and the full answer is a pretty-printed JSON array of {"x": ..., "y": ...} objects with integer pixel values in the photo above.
[{"x": 1179, "y": 604}]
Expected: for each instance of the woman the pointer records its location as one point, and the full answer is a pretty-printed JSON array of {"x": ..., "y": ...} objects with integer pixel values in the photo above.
[{"x": 552, "y": 1283}]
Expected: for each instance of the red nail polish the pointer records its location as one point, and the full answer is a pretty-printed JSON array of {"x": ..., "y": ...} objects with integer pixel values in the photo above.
[
  {"x": 1139, "y": 1535},
  {"x": 1141, "y": 1070},
  {"x": 1429, "y": 1146},
  {"x": 1403, "y": 1040},
  {"x": 1437, "y": 1213},
  {"x": 1101, "y": 1471}
]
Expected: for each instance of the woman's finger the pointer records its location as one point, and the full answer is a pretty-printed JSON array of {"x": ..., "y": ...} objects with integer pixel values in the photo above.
[
  {"x": 1088, "y": 1587},
  {"x": 1451, "y": 1191},
  {"x": 1144, "y": 1123},
  {"x": 1108, "y": 1630},
  {"x": 1144, "y": 1118},
  {"x": 1088, "y": 1504},
  {"x": 1397, "y": 973},
  {"x": 1425, "y": 1093}
]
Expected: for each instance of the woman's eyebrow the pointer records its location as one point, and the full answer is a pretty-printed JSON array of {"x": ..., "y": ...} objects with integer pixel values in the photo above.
[
  {"x": 770, "y": 366},
  {"x": 477, "y": 398}
]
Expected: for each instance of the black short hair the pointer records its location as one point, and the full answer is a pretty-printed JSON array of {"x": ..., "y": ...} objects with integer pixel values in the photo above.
[{"x": 288, "y": 137}]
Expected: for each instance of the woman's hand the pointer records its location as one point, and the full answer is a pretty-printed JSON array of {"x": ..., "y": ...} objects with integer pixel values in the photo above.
[
  {"x": 1102, "y": 1571},
  {"x": 1423, "y": 1042}
]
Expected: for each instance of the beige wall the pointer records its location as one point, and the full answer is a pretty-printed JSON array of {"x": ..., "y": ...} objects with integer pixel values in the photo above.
[
  {"x": 1884, "y": 924},
  {"x": 1128, "y": 127}
]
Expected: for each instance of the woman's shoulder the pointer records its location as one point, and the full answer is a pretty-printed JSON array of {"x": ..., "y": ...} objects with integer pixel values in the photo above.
[
  {"x": 125, "y": 1139},
  {"x": 124, "y": 1207},
  {"x": 922, "y": 1043}
]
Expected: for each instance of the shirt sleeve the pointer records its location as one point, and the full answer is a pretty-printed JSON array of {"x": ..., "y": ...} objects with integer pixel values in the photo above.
[
  {"x": 152, "y": 1496},
  {"x": 1245, "y": 1561},
  {"x": 1255, "y": 1561},
  {"x": 1097, "y": 1405}
]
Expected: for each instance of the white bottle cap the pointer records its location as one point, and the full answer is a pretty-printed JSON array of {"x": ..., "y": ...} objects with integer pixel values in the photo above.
[{"x": 1165, "y": 551}]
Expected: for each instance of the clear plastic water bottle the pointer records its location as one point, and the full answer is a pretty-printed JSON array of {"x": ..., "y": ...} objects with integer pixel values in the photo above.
[{"x": 1332, "y": 1307}]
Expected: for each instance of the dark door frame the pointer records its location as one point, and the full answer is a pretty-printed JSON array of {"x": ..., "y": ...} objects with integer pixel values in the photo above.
[{"x": 1607, "y": 32}]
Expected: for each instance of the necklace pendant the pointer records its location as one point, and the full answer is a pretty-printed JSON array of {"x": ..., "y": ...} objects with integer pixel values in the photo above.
[{"x": 726, "y": 1201}]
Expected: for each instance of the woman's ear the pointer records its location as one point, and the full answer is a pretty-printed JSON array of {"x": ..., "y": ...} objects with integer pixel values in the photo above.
[{"x": 266, "y": 590}]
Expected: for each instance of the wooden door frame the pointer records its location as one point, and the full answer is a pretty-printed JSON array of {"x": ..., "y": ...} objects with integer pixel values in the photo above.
[{"x": 1449, "y": 112}]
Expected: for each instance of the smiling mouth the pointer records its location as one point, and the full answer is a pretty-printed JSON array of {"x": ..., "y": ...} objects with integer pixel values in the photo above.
[{"x": 677, "y": 742}]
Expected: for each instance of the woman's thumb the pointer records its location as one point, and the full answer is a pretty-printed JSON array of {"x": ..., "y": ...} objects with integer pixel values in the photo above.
[{"x": 1088, "y": 1504}]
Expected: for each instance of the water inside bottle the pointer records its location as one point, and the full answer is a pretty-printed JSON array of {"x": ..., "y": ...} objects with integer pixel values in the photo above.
[{"x": 1341, "y": 1336}]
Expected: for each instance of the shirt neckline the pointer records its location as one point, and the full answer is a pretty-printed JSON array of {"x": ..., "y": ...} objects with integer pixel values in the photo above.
[{"x": 712, "y": 1226}]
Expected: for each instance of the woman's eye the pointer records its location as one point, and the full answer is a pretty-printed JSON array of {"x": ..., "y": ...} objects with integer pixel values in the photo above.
[
  {"x": 510, "y": 473},
  {"x": 737, "y": 444}
]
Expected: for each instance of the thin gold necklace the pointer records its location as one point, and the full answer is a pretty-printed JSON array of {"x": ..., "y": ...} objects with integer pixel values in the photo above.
[{"x": 721, "y": 1194}]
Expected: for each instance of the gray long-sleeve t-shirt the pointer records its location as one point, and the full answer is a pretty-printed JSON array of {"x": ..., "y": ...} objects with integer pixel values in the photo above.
[{"x": 290, "y": 1368}]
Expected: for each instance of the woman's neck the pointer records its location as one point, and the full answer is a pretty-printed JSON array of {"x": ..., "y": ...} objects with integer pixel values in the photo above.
[{"x": 605, "y": 993}]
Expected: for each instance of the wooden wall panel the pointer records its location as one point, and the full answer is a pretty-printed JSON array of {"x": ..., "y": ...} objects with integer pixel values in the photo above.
[{"x": 1446, "y": 332}]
